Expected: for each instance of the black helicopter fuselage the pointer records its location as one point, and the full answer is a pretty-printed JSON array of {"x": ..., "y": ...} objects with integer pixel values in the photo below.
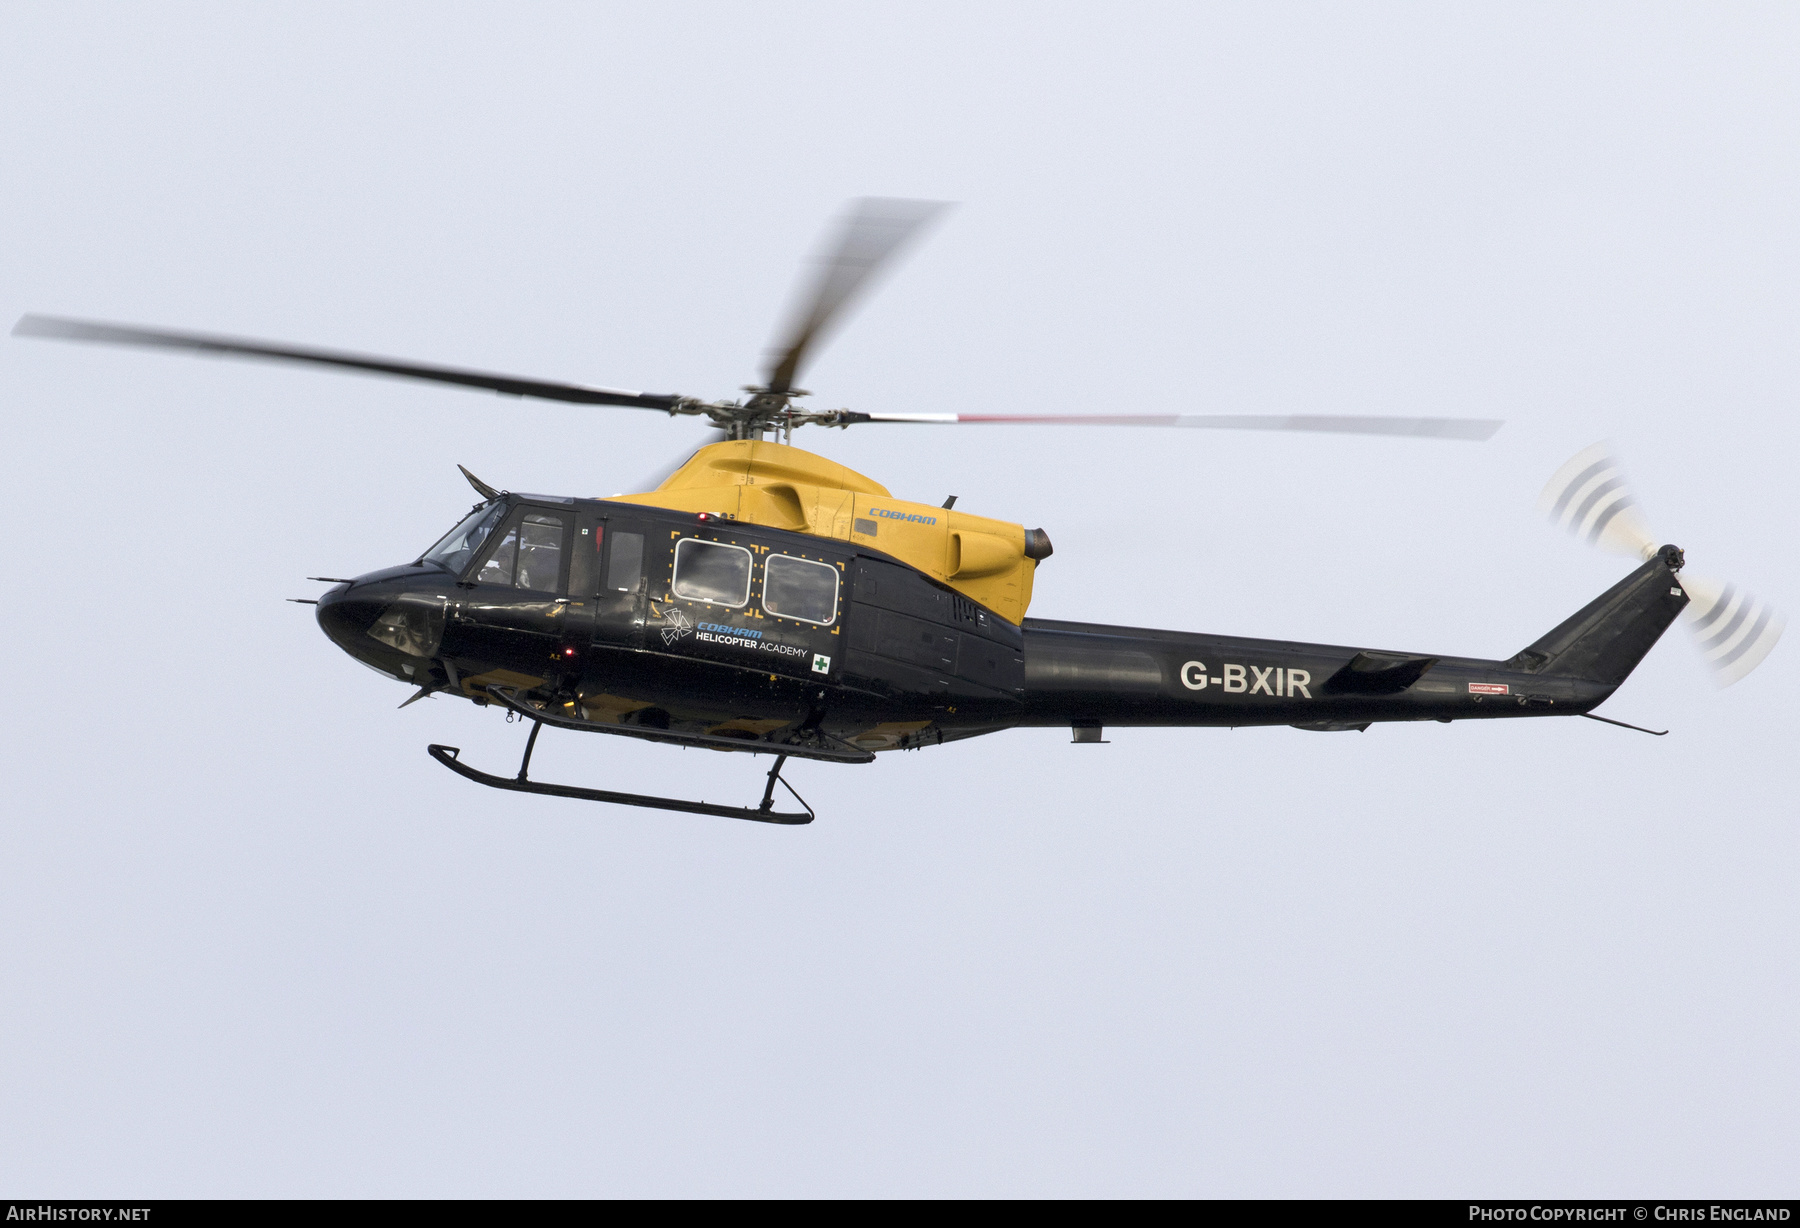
[
  {"x": 623, "y": 618},
  {"x": 767, "y": 599}
]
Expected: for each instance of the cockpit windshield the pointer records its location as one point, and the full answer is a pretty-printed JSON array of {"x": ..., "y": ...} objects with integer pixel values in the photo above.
[{"x": 460, "y": 544}]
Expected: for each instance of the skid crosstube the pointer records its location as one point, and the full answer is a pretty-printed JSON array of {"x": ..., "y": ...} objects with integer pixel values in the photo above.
[{"x": 447, "y": 755}]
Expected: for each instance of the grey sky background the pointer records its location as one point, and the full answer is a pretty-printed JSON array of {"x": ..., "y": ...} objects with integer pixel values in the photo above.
[{"x": 253, "y": 942}]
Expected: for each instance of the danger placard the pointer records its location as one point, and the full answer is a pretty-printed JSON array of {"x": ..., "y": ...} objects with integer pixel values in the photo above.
[{"x": 1487, "y": 688}]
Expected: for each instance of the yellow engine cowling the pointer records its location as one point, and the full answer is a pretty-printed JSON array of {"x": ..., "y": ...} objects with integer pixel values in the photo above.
[{"x": 784, "y": 487}]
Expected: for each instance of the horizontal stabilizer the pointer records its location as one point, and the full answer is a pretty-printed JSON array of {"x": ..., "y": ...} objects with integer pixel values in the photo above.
[{"x": 1378, "y": 673}]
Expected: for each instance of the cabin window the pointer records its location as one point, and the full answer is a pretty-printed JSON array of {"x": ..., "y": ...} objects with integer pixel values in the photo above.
[
  {"x": 459, "y": 545},
  {"x": 529, "y": 556},
  {"x": 712, "y": 571},
  {"x": 800, "y": 589},
  {"x": 626, "y": 563},
  {"x": 584, "y": 558}
]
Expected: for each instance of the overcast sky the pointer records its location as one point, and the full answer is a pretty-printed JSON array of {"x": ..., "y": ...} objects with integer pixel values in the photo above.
[{"x": 254, "y": 942}]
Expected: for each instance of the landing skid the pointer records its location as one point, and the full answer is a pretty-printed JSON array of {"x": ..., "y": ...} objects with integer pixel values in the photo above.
[{"x": 765, "y": 813}]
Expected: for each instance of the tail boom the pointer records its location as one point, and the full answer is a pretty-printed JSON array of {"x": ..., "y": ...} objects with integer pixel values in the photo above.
[{"x": 1084, "y": 674}]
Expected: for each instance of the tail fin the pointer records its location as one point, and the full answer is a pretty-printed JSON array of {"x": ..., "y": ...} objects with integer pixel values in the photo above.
[{"x": 1606, "y": 640}]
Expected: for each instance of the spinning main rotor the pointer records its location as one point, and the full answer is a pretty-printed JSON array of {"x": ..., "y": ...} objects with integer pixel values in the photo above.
[{"x": 866, "y": 240}]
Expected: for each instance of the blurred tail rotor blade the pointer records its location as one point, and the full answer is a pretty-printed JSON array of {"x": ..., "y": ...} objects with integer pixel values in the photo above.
[
  {"x": 1733, "y": 629},
  {"x": 1434, "y": 428},
  {"x": 1588, "y": 497},
  {"x": 870, "y": 234}
]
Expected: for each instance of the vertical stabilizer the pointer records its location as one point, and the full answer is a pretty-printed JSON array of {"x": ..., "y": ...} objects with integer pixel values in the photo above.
[{"x": 1605, "y": 641}]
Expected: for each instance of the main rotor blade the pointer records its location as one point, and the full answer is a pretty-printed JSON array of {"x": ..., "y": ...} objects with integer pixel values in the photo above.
[
  {"x": 1436, "y": 428},
  {"x": 871, "y": 232},
  {"x": 62, "y": 329}
]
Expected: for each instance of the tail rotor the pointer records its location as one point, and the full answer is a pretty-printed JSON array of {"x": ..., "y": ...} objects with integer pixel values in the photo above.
[
  {"x": 1734, "y": 629},
  {"x": 1589, "y": 498}
]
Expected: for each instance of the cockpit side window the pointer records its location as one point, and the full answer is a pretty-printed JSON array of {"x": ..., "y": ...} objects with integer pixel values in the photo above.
[
  {"x": 529, "y": 555},
  {"x": 504, "y": 560},
  {"x": 458, "y": 546},
  {"x": 540, "y": 552}
]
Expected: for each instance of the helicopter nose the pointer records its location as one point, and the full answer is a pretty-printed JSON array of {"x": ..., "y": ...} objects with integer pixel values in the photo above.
[{"x": 345, "y": 618}]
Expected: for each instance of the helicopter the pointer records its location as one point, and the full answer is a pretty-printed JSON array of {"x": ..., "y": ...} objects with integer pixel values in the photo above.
[{"x": 764, "y": 599}]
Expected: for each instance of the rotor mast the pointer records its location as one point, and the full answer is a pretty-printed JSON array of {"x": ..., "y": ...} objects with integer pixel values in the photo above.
[{"x": 768, "y": 413}]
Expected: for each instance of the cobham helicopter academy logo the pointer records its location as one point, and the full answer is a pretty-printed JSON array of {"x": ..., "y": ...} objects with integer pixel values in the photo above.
[
  {"x": 678, "y": 624},
  {"x": 1275, "y": 682},
  {"x": 735, "y": 637}
]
